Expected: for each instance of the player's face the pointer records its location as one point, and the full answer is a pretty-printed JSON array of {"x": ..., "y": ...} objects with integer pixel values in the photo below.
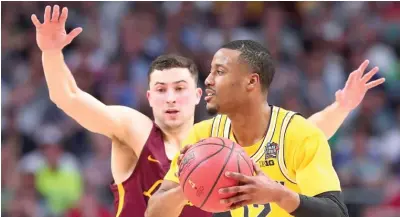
[
  {"x": 226, "y": 83},
  {"x": 173, "y": 96}
]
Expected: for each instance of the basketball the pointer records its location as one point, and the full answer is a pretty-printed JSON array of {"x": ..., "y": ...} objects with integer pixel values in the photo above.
[{"x": 202, "y": 172}]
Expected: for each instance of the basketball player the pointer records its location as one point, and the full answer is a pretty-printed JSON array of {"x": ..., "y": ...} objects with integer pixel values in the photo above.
[
  {"x": 294, "y": 172},
  {"x": 141, "y": 149}
]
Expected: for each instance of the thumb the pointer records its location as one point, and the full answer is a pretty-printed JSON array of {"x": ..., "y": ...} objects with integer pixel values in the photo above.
[
  {"x": 75, "y": 32},
  {"x": 338, "y": 95}
]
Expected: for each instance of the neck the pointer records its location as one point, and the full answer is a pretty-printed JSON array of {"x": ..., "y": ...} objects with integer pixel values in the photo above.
[
  {"x": 250, "y": 123},
  {"x": 175, "y": 136}
]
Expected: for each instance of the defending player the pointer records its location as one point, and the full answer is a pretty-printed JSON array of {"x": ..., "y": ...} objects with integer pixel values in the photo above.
[
  {"x": 295, "y": 154},
  {"x": 141, "y": 148}
]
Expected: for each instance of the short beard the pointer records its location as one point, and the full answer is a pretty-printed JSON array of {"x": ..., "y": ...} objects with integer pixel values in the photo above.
[{"x": 212, "y": 111}]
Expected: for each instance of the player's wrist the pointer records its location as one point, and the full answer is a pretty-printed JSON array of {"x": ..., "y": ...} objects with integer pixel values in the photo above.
[
  {"x": 179, "y": 196},
  {"x": 340, "y": 108},
  {"x": 54, "y": 52},
  {"x": 288, "y": 199}
]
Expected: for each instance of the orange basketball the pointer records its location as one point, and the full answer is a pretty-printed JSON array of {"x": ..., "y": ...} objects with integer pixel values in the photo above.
[{"x": 202, "y": 172}]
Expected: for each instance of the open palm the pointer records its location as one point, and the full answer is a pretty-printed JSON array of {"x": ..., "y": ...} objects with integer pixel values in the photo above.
[
  {"x": 51, "y": 34},
  {"x": 357, "y": 86}
]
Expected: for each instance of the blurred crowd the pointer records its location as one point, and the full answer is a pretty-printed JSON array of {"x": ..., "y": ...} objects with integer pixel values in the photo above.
[{"x": 51, "y": 166}]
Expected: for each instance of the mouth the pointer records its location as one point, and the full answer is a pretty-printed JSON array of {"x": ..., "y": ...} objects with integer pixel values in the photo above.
[
  {"x": 209, "y": 94},
  {"x": 172, "y": 111}
]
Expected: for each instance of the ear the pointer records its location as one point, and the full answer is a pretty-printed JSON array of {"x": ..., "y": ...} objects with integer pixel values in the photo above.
[
  {"x": 148, "y": 95},
  {"x": 253, "y": 81},
  {"x": 199, "y": 93}
]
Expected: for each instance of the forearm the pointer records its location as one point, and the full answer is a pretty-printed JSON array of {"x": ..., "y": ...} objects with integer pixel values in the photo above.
[
  {"x": 59, "y": 79},
  {"x": 329, "y": 119},
  {"x": 329, "y": 204},
  {"x": 166, "y": 203}
]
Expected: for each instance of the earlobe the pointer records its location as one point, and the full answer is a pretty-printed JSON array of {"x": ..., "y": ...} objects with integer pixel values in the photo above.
[
  {"x": 199, "y": 93},
  {"x": 148, "y": 98}
]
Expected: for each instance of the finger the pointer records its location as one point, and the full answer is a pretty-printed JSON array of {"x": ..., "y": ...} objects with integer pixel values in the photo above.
[
  {"x": 235, "y": 199},
  {"x": 47, "y": 12},
  {"x": 238, "y": 176},
  {"x": 64, "y": 15},
  {"x": 184, "y": 149},
  {"x": 235, "y": 189},
  {"x": 362, "y": 68},
  {"x": 256, "y": 168},
  {"x": 35, "y": 21},
  {"x": 339, "y": 95},
  {"x": 350, "y": 79},
  {"x": 240, "y": 204},
  {"x": 56, "y": 13},
  {"x": 369, "y": 75},
  {"x": 75, "y": 32},
  {"x": 375, "y": 83},
  {"x": 180, "y": 158}
]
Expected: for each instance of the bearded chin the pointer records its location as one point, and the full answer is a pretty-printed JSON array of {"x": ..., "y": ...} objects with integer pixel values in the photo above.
[{"x": 212, "y": 110}]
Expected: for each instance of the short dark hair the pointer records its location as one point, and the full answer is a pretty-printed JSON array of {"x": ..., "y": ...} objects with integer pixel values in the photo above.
[
  {"x": 257, "y": 57},
  {"x": 170, "y": 61}
]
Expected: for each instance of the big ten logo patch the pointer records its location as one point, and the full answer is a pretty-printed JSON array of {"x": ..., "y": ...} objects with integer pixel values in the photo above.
[{"x": 270, "y": 152}]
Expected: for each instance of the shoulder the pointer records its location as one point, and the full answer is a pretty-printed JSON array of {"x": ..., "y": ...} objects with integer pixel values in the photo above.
[
  {"x": 199, "y": 131},
  {"x": 203, "y": 128},
  {"x": 300, "y": 129}
]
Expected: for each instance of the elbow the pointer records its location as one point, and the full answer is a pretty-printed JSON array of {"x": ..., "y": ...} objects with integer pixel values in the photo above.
[
  {"x": 63, "y": 99},
  {"x": 340, "y": 208}
]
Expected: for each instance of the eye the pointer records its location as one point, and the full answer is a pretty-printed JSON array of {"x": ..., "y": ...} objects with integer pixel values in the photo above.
[
  {"x": 179, "y": 89},
  {"x": 160, "y": 90},
  {"x": 219, "y": 72}
]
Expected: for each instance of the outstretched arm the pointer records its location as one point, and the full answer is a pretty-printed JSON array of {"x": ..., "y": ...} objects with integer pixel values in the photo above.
[
  {"x": 169, "y": 199},
  {"x": 111, "y": 121},
  {"x": 347, "y": 99}
]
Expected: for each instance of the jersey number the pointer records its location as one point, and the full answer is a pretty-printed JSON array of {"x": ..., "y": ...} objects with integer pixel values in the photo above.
[{"x": 264, "y": 212}]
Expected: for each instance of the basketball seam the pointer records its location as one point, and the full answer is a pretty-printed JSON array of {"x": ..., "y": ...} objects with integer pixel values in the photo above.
[
  {"x": 219, "y": 175},
  {"x": 250, "y": 167},
  {"x": 194, "y": 168}
]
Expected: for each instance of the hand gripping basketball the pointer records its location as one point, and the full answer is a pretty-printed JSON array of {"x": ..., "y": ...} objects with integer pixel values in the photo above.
[
  {"x": 202, "y": 167},
  {"x": 51, "y": 34},
  {"x": 258, "y": 189}
]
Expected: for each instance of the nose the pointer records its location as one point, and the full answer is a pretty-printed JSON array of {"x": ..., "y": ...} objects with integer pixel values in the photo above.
[
  {"x": 209, "y": 80},
  {"x": 171, "y": 96}
]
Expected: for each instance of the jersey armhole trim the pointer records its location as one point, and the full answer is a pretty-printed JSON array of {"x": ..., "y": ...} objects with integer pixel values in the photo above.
[{"x": 281, "y": 154}]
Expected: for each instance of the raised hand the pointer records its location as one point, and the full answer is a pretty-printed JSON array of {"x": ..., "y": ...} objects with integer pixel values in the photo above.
[
  {"x": 356, "y": 87},
  {"x": 51, "y": 34}
]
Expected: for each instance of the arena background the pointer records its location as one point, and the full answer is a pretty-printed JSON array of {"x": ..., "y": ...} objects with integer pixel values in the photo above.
[{"x": 316, "y": 45}]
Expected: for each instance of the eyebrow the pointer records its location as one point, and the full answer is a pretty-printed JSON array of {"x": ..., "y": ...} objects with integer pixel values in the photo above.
[
  {"x": 219, "y": 65},
  {"x": 175, "y": 82}
]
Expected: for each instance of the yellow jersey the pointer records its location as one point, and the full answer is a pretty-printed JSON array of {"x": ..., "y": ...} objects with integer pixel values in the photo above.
[{"x": 294, "y": 152}]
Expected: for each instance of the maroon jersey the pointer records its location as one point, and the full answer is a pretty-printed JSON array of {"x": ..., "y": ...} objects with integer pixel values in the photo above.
[{"x": 131, "y": 196}]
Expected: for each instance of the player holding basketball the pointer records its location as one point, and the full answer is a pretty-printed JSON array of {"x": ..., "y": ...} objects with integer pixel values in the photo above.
[
  {"x": 295, "y": 176},
  {"x": 140, "y": 148}
]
